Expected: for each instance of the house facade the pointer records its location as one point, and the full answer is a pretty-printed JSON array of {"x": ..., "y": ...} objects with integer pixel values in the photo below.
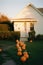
[{"x": 29, "y": 18}]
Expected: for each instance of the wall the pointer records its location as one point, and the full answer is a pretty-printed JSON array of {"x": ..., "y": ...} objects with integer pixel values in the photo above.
[{"x": 31, "y": 12}]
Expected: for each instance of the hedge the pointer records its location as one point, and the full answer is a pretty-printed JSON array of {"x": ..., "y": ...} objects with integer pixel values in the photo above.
[
  {"x": 39, "y": 37},
  {"x": 31, "y": 35},
  {"x": 10, "y": 35}
]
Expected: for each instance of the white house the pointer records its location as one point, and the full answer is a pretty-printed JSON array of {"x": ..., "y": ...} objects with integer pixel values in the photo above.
[{"x": 30, "y": 16}]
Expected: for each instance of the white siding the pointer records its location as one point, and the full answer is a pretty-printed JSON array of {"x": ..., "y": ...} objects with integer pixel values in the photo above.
[
  {"x": 31, "y": 12},
  {"x": 39, "y": 24}
]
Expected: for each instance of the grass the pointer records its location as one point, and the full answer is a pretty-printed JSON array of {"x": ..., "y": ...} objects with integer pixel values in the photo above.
[
  {"x": 35, "y": 50},
  {"x": 6, "y": 42}
]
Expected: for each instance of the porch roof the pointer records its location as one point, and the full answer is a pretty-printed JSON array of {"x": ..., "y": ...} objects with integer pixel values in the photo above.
[{"x": 25, "y": 20}]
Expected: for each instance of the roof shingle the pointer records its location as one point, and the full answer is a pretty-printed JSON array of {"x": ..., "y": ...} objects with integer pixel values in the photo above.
[{"x": 40, "y": 9}]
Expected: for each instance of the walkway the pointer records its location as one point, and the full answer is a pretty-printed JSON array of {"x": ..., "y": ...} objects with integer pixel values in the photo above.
[{"x": 7, "y": 59}]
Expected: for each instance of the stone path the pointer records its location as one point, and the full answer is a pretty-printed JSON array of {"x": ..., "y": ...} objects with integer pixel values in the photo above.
[
  {"x": 8, "y": 47},
  {"x": 7, "y": 59},
  {"x": 9, "y": 62}
]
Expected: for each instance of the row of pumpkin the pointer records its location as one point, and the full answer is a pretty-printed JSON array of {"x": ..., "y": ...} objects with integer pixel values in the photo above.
[{"x": 21, "y": 50}]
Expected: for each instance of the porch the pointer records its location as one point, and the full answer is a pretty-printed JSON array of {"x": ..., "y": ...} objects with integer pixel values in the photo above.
[{"x": 24, "y": 25}]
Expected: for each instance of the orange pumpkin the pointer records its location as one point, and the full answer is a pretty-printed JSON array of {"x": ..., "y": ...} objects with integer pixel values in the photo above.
[
  {"x": 23, "y": 47},
  {"x": 30, "y": 40},
  {"x": 23, "y": 59},
  {"x": 17, "y": 41},
  {"x": 19, "y": 49},
  {"x": 21, "y": 43},
  {"x": 17, "y": 46},
  {"x": 0, "y": 50},
  {"x": 26, "y": 55},
  {"x": 25, "y": 52},
  {"x": 19, "y": 53}
]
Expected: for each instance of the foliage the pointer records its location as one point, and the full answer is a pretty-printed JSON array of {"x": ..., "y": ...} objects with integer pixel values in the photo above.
[
  {"x": 31, "y": 35},
  {"x": 39, "y": 37},
  {"x": 8, "y": 24},
  {"x": 10, "y": 35}
]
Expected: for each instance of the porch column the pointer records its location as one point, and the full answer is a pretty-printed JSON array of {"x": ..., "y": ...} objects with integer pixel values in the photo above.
[{"x": 25, "y": 28}]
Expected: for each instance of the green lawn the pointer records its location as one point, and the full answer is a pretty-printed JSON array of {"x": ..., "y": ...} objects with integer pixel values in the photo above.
[{"x": 35, "y": 50}]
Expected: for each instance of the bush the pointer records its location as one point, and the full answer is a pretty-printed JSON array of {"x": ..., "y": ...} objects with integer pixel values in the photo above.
[
  {"x": 31, "y": 35},
  {"x": 39, "y": 37},
  {"x": 10, "y": 35}
]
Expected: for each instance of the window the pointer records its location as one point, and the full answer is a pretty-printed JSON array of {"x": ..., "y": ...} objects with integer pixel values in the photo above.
[{"x": 31, "y": 26}]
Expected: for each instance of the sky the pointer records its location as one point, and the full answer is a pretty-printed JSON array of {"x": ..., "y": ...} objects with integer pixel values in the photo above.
[{"x": 11, "y": 8}]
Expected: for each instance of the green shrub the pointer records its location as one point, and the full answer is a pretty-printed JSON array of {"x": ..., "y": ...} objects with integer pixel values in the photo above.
[
  {"x": 10, "y": 35},
  {"x": 39, "y": 37},
  {"x": 31, "y": 35}
]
